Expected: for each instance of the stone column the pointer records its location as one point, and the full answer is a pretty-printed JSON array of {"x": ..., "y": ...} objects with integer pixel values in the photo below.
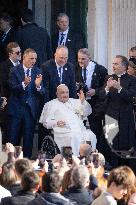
[
  {"x": 101, "y": 32},
  {"x": 40, "y": 8},
  {"x": 123, "y": 26},
  {"x": 97, "y": 23}
]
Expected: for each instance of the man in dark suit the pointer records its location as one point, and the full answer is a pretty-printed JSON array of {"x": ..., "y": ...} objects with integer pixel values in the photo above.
[
  {"x": 30, "y": 35},
  {"x": 118, "y": 94},
  {"x": 55, "y": 72},
  {"x": 6, "y": 36},
  {"x": 65, "y": 36},
  {"x": 14, "y": 57},
  {"x": 92, "y": 76},
  {"x": 23, "y": 106},
  {"x": 58, "y": 71}
]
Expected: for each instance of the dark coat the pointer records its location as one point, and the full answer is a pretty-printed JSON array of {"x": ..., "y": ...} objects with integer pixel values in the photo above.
[
  {"x": 33, "y": 36},
  {"x": 21, "y": 198},
  {"x": 5, "y": 68},
  {"x": 14, "y": 189},
  {"x": 119, "y": 106},
  {"x": 51, "y": 79},
  {"x": 23, "y": 108},
  {"x": 74, "y": 42},
  {"x": 19, "y": 96},
  {"x": 51, "y": 199},
  {"x": 9, "y": 37},
  {"x": 80, "y": 195},
  {"x": 98, "y": 80}
]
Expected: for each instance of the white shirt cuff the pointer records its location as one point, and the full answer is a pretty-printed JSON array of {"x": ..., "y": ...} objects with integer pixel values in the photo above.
[
  {"x": 23, "y": 85},
  {"x": 119, "y": 90},
  {"x": 107, "y": 91},
  {"x": 38, "y": 88}
]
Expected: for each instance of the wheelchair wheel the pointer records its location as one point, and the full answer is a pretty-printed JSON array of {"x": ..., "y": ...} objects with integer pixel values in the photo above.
[{"x": 49, "y": 147}]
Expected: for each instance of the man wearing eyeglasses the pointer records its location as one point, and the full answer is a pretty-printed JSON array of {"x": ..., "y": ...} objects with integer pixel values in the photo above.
[{"x": 14, "y": 57}]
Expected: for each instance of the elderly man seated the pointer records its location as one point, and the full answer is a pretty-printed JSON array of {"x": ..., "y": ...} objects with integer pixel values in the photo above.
[{"x": 65, "y": 115}]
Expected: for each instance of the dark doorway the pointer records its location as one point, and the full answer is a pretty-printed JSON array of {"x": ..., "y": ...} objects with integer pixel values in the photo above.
[
  {"x": 77, "y": 12},
  {"x": 13, "y": 8}
]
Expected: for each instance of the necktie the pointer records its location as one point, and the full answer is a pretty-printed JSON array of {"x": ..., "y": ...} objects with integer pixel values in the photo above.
[
  {"x": 60, "y": 73},
  {"x": 27, "y": 72},
  {"x": 62, "y": 38},
  {"x": 84, "y": 74}
]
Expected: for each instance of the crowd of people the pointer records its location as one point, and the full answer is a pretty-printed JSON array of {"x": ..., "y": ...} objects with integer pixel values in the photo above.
[
  {"x": 64, "y": 180},
  {"x": 53, "y": 84}
]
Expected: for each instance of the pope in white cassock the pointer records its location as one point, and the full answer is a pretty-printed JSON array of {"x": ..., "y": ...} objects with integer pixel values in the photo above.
[{"x": 65, "y": 116}]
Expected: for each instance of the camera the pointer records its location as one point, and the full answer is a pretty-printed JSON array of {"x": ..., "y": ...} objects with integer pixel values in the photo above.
[
  {"x": 96, "y": 160},
  {"x": 82, "y": 86},
  {"x": 42, "y": 157},
  {"x": 67, "y": 154}
]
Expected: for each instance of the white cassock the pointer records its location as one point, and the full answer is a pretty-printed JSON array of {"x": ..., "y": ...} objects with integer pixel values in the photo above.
[{"x": 74, "y": 132}]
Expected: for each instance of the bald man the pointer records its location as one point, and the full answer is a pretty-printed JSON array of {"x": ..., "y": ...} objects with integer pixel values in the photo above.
[
  {"x": 65, "y": 116},
  {"x": 57, "y": 71}
]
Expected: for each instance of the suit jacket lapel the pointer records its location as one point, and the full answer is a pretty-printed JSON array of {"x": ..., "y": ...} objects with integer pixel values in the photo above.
[
  {"x": 94, "y": 76},
  {"x": 64, "y": 74},
  {"x": 21, "y": 72},
  {"x": 56, "y": 40},
  {"x": 55, "y": 71},
  {"x": 68, "y": 38}
]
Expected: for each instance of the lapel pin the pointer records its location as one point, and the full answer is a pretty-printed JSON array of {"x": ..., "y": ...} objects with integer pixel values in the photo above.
[
  {"x": 69, "y": 40},
  {"x": 65, "y": 68}
]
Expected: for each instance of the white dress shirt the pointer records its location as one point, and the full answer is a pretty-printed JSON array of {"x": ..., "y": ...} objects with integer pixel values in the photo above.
[
  {"x": 14, "y": 63},
  {"x": 89, "y": 73}
]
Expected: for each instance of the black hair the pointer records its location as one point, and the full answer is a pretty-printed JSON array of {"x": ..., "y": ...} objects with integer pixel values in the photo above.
[{"x": 27, "y": 15}]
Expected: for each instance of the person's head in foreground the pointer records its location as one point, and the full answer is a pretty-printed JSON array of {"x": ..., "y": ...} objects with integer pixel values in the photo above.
[
  {"x": 21, "y": 166},
  {"x": 51, "y": 182},
  {"x": 30, "y": 181},
  {"x": 80, "y": 176},
  {"x": 121, "y": 183}
]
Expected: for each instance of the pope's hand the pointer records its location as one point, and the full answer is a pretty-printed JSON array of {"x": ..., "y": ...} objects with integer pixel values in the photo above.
[
  {"x": 61, "y": 123},
  {"x": 81, "y": 96}
]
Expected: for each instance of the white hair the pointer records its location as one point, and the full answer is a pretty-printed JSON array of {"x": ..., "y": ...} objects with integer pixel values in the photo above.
[{"x": 80, "y": 176}]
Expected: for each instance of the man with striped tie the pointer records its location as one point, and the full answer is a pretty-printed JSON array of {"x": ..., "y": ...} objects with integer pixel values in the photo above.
[
  {"x": 66, "y": 36},
  {"x": 23, "y": 107}
]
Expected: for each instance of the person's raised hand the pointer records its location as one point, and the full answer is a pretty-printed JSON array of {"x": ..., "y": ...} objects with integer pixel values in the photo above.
[
  {"x": 81, "y": 96},
  {"x": 38, "y": 80}
]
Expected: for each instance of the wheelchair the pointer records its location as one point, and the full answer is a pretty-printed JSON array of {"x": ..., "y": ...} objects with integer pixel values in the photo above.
[{"x": 49, "y": 147}]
